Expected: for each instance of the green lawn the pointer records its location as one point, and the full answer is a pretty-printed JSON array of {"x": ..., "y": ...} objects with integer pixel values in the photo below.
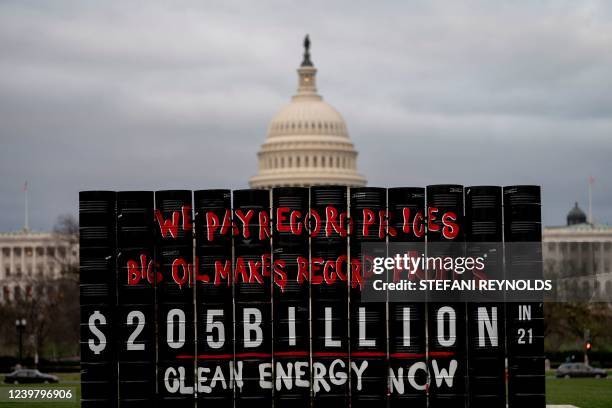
[
  {"x": 66, "y": 380},
  {"x": 581, "y": 392}
]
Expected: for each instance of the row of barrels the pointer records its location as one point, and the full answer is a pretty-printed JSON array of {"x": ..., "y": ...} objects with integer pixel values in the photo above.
[{"x": 229, "y": 299}]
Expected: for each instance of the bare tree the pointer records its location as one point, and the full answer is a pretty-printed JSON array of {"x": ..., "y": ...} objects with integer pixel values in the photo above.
[
  {"x": 566, "y": 322},
  {"x": 66, "y": 235},
  {"x": 50, "y": 307}
]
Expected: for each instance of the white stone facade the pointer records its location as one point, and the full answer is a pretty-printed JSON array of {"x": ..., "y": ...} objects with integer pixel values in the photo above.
[
  {"x": 29, "y": 256},
  {"x": 580, "y": 257}
]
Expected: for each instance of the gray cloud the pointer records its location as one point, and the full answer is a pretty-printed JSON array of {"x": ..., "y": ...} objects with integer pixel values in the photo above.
[{"x": 159, "y": 95}]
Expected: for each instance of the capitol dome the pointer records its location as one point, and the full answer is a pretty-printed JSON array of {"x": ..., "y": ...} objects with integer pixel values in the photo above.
[{"x": 308, "y": 142}]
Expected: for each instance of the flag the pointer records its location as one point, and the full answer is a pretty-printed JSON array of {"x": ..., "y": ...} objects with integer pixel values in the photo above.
[
  {"x": 25, "y": 186},
  {"x": 591, "y": 180}
]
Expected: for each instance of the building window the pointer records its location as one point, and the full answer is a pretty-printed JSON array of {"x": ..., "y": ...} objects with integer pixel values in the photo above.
[
  {"x": 6, "y": 252},
  {"x": 290, "y": 161},
  {"x": 17, "y": 270},
  {"x": 297, "y": 161},
  {"x": 17, "y": 251},
  {"x": 306, "y": 161},
  {"x": 314, "y": 159},
  {"x": 7, "y": 271}
]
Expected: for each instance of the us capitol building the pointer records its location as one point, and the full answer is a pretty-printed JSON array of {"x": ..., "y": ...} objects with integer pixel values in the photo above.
[{"x": 308, "y": 142}]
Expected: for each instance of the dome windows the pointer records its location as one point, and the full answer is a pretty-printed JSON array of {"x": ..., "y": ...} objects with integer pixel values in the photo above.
[{"x": 307, "y": 126}]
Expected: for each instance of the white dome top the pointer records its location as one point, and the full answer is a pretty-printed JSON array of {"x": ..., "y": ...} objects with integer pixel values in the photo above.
[
  {"x": 308, "y": 142},
  {"x": 309, "y": 115}
]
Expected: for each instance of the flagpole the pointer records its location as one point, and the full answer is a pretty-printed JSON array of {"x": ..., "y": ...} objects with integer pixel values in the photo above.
[
  {"x": 590, "y": 199},
  {"x": 26, "y": 224}
]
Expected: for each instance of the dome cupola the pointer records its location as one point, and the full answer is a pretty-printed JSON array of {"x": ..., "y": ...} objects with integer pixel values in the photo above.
[{"x": 576, "y": 216}]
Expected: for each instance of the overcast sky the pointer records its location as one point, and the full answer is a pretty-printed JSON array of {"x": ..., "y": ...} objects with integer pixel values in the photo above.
[{"x": 151, "y": 95}]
